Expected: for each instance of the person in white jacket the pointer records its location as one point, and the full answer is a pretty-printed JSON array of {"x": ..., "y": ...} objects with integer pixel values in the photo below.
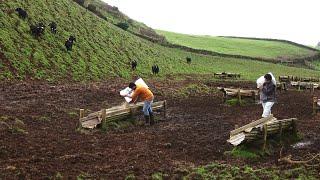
[{"x": 267, "y": 95}]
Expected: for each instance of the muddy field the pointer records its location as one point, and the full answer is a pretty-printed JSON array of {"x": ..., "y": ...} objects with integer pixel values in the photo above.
[{"x": 194, "y": 133}]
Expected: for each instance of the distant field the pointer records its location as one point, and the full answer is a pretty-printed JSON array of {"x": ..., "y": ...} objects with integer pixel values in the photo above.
[{"x": 237, "y": 46}]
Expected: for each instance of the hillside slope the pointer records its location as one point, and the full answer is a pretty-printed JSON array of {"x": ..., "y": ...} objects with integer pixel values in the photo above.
[
  {"x": 101, "y": 50},
  {"x": 113, "y": 15},
  {"x": 241, "y": 46}
]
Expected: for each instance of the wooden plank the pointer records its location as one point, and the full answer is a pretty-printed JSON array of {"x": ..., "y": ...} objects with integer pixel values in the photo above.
[{"x": 251, "y": 125}]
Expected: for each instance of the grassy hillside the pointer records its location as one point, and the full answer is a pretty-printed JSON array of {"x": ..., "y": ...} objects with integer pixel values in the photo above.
[
  {"x": 101, "y": 51},
  {"x": 113, "y": 15},
  {"x": 239, "y": 46},
  {"x": 316, "y": 64}
]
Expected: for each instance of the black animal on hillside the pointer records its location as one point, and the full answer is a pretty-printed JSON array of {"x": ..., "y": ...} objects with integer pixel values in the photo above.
[
  {"x": 37, "y": 30},
  {"x": 72, "y": 38},
  {"x": 155, "y": 69},
  {"x": 69, "y": 43},
  {"x": 188, "y": 60},
  {"x": 134, "y": 64},
  {"x": 53, "y": 27},
  {"x": 22, "y": 13}
]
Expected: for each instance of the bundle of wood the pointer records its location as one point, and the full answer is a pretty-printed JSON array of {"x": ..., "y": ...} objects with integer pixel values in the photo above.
[
  {"x": 260, "y": 129},
  {"x": 116, "y": 113},
  {"x": 226, "y": 75}
]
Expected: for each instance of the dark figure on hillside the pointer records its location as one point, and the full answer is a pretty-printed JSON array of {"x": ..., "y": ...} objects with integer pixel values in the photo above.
[
  {"x": 155, "y": 69},
  {"x": 72, "y": 38},
  {"x": 188, "y": 60},
  {"x": 134, "y": 64},
  {"x": 22, "y": 13},
  {"x": 37, "y": 30},
  {"x": 53, "y": 27},
  {"x": 69, "y": 43}
]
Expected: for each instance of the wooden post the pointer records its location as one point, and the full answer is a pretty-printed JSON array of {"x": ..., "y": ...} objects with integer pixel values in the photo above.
[
  {"x": 103, "y": 119},
  {"x": 294, "y": 128},
  {"x": 280, "y": 132},
  {"x": 265, "y": 130},
  {"x": 165, "y": 109},
  {"x": 81, "y": 113},
  {"x": 81, "y": 116},
  {"x": 239, "y": 97},
  {"x": 224, "y": 96},
  {"x": 315, "y": 101},
  {"x": 282, "y": 86},
  {"x": 299, "y": 88},
  {"x": 253, "y": 96}
]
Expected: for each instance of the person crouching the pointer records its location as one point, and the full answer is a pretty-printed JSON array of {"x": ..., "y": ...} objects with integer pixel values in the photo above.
[
  {"x": 144, "y": 94},
  {"x": 268, "y": 95}
]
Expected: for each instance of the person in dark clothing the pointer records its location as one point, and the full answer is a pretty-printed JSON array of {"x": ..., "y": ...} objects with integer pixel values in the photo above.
[{"x": 268, "y": 95}]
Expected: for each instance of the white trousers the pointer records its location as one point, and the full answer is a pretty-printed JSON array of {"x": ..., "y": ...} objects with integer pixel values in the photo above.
[{"x": 267, "y": 108}]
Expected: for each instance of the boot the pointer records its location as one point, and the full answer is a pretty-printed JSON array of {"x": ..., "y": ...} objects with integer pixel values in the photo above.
[
  {"x": 147, "y": 118},
  {"x": 151, "y": 119}
]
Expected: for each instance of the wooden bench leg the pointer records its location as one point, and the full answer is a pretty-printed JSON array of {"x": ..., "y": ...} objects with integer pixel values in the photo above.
[{"x": 81, "y": 115}]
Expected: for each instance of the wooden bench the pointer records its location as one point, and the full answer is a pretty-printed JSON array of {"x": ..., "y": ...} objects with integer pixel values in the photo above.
[
  {"x": 304, "y": 85},
  {"x": 297, "y": 78},
  {"x": 117, "y": 113},
  {"x": 226, "y": 75},
  {"x": 238, "y": 93}
]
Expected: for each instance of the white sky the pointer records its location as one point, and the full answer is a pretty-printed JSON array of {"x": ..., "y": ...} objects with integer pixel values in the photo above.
[{"x": 295, "y": 20}]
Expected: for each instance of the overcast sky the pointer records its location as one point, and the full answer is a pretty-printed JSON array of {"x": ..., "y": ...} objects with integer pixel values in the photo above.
[{"x": 295, "y": 20}]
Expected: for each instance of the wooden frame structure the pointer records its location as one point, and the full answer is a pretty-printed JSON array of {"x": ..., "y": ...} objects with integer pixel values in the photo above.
[
  {"x": 316, "y": 105},
  {"x": 116, "y": 113},
  {"x": 261, "y": 129},
  {"x": 226, "y": 75},
  {"x": 296, "y": 78},
  {"x": 305, "y": 85},
  {"x": 238, "y": 93}
]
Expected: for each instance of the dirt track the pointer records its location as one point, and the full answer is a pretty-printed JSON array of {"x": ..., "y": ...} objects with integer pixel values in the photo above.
[{"x": 194, "y": 133}]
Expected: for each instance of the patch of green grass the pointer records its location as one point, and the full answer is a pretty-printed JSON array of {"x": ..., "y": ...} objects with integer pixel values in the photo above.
[
  {"x": 238, "y": 46},
  {"x": 130, "y": 177},
  {"x": 58, "y": 176},
  {"x": 158, "y": 176},
  {"x": 235, "y": 101},
  {"x": 243, "y": 152},
  {"x": 44, "y": 118},
  {"x": 118, "y": 125},
  {"x": 73, "y": 114},
  {"x": 83, "y": 176},
  {"x": 223, "y": 171},
  {"x": 194, "y": 90}
]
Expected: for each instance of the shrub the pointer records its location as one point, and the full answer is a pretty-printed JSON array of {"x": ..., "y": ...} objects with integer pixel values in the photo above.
[
  {"x": 80, "y": 2},
  {"x": 123, "y": 25},
  {"x": 92, "y": 8}
]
